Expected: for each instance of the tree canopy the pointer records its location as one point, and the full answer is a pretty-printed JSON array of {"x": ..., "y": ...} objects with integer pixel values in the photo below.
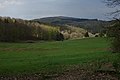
[{"x": 12, "y": 30}]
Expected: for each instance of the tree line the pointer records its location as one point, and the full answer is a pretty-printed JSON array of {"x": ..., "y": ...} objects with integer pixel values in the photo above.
[{"x": 12, "y": 30}]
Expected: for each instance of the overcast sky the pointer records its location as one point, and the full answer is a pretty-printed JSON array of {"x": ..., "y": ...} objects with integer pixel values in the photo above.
[{"x": 31, "y": 9}]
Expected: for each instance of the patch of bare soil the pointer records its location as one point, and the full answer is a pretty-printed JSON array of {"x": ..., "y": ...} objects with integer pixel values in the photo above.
[
  {"x": 80, "y": 74},
  {"x": 32, "y": 77},
  {"x": 75, "y": 74}
]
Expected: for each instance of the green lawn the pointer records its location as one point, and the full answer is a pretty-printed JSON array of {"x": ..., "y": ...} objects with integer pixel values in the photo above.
[{"x": 52, "y": 56}]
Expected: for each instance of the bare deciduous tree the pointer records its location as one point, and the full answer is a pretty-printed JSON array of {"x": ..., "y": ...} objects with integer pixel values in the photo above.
[
  {"x": 113, "y": 31},
  {"x": 114, "y": 4}
]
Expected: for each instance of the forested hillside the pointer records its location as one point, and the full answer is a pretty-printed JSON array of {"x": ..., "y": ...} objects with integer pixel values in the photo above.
[
  {"x": 12, "y": 29},
  {"x": 91, "y": 25}
]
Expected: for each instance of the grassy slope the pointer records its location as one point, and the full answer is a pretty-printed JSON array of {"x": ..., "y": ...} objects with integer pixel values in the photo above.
[{"x": 51, "y": 56}]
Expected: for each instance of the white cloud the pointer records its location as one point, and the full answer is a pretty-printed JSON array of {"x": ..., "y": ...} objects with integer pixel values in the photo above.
[{"x": 7, "y": 3}]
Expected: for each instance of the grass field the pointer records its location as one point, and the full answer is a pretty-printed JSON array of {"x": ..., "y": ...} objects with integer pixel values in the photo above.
[{"x": 17, "y": 58}]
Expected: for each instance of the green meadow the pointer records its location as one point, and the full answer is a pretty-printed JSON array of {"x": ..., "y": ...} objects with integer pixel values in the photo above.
[{"x": 54, "y": 56}]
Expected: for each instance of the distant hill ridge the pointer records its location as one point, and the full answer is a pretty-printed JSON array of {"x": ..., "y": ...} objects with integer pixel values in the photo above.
[
  {"x": 92, "y": 25},
  {"x": 67, "y": 18}
]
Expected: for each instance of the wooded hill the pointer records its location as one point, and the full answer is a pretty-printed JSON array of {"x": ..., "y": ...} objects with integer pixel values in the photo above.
[
  {"x": 91, "y": 25},
  {"x": 12, "y": 30}
]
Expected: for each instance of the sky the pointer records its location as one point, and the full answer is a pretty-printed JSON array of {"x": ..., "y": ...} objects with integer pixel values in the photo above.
[{"x": 32, "y": 9}]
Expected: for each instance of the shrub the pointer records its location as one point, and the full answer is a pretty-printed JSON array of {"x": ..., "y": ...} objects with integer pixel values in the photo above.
[{"x": 113, "y": 33}]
